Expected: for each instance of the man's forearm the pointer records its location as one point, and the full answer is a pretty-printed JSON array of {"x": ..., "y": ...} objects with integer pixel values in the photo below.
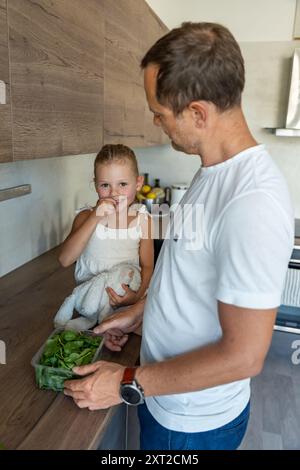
[
  {"x": 131, "y": 323},
  {"x": 139, "y": 309},
  {"x": 207, "y": 367}
]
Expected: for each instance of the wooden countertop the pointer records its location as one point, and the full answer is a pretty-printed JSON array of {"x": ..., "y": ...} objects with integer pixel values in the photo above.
[{"x": 31, "y": 418}]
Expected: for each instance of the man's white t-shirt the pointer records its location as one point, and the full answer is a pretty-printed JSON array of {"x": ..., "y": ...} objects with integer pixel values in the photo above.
[{"x": 238, "y": 255}]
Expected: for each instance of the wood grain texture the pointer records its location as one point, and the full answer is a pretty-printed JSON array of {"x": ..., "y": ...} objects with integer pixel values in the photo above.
[
  {"x": 33, "y": 418},
  {"x": 56, "y": 52},
  {"x": 20, "y": 280},
  {"x": 6, "y": 154},
  {"x": 76, "y": 429},
  {"x": 130, "y": 29},
  {"x": 151, "y": 31}
]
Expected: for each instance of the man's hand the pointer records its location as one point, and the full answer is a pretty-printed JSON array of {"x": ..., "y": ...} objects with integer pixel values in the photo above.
[
  {"x": 100, "y": 389},
  {"x": 116, "y": 300},
  {"x": 117, "y": 326}
]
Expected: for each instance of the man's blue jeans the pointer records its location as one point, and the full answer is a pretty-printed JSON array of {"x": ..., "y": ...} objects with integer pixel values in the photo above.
[{"x": 156, "y": 437}]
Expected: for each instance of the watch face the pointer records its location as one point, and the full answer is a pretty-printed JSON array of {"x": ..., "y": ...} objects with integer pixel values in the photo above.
[{"x": 131, "y": 395}]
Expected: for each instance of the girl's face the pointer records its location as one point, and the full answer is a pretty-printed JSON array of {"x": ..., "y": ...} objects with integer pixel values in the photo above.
[{"x": 118, "y": 181}]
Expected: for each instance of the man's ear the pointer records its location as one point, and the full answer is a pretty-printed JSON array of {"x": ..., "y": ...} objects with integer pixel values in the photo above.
[
  {"x": 199, "y": 110},
  {"x": 139, "y": 182}
]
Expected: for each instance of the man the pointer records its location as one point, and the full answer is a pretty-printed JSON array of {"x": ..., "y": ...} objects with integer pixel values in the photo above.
[{"x": 209, "y": 315}]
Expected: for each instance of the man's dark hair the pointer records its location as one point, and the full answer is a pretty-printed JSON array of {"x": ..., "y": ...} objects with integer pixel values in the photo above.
[{"x": 198, "y": 61}]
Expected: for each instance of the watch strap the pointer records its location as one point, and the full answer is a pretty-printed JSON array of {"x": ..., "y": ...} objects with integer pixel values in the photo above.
[{"x": 129, "y": 374}]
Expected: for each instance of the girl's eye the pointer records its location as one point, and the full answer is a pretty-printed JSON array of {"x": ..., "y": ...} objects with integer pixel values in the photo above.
[
  {"x": 123, "y": 184},
  {"x": 104, "y": 185}
]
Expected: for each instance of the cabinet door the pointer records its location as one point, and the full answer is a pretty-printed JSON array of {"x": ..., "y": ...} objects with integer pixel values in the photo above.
[
  {"x": 5, "y": 109},
  {"x": 126, "y": 115},
  {"x": 152, "y": 29},
  {"x": 56, "y": 58}
]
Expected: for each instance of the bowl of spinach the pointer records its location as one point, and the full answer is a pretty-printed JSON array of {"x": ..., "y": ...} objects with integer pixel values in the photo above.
[{"x": 63, "y": 350}]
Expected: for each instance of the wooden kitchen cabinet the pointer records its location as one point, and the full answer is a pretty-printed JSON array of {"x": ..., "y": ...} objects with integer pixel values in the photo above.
[
  {"x": 56, "y": 62},
  {"x": 5, "y": 109},
  {"x": 151, "y": 31},
  {"x": 131, "y": 28},
  {"x": 73, "y": 78}
]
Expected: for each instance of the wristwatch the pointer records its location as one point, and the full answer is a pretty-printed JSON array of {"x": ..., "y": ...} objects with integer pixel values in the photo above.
[{"x": 130, "y": 390}]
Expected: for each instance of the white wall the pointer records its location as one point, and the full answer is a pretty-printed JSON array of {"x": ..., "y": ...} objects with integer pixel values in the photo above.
[
  {"x": 249, "y": 20},
  {"x": 32, "y": 224},
  {"x": 167, "y": 164},
  {"x": 35, "y": 223},
  {"x": 268, "y": 67}
]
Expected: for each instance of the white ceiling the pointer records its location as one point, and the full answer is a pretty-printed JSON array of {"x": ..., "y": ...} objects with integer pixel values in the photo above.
[{"x": 248, "y": 20}]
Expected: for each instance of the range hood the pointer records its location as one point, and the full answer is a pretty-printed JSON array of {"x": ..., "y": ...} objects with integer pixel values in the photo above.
[{"x": 292, "y": 125}]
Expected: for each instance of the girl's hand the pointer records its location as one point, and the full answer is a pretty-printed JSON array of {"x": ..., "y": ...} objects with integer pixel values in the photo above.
[
  {"x": 116, "y": 300},
  {"x": 106, "y": 206}
]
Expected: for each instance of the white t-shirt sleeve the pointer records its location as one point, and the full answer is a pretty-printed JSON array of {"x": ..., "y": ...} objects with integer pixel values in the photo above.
[{"x": 252, "y": 243}]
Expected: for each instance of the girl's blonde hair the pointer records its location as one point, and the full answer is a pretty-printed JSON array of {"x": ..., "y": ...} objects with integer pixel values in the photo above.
[{"x": 116, "y": 153}]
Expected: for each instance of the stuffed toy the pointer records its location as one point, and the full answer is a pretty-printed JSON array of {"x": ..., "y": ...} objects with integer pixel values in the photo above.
[{"x": 91, "y": 300}]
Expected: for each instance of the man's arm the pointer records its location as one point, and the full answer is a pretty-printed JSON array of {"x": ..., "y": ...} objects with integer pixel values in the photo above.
[{"x": 239, "y": 354}]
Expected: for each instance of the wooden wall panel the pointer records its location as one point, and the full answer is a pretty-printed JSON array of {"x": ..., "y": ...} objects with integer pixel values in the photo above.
[
  {"x": 130, "y": 28},
  {"x": 5, "y": 109},
  {"x": 123, "y": 94},
  {"x": 57, "y": 59}
]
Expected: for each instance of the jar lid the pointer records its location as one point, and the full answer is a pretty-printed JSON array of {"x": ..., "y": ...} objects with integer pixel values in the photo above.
[{"x": 180, "y": 186}]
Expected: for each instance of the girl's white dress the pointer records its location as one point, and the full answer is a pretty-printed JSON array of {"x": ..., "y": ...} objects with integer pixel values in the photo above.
[{"x": 108, "y": 247}]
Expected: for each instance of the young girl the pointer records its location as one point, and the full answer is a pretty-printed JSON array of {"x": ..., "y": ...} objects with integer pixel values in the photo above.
[{"x": 112, "y": 232}]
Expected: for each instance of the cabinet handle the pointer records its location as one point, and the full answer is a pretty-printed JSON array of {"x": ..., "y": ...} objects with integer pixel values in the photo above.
[
  {"x": 2, "y": 92},
  {"x": 16, "y": 191}
]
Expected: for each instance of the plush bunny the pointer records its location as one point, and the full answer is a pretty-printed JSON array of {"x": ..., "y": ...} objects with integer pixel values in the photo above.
[{"x": 91, "y": 300}]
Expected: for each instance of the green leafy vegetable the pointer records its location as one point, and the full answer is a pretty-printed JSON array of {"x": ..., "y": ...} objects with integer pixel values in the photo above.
[{"x": 62, "y": 352}]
